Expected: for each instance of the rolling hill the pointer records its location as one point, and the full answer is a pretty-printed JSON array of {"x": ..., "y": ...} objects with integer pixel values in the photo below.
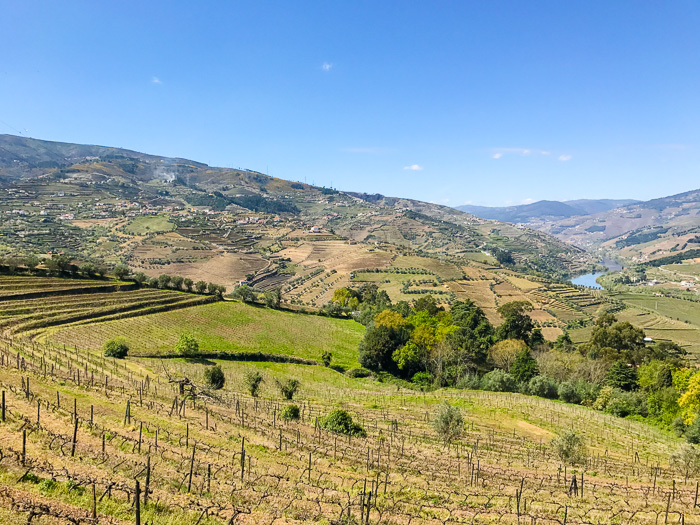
[{"x": 169, "y": 214}]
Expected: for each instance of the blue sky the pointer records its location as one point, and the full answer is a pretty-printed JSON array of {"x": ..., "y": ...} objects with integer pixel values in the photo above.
[{"x": 491, "y": 103}]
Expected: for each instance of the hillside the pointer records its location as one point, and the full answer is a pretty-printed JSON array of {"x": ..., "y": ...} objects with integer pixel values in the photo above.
[
  {"x": 544, "y": 209},
  {"x": 169, "y": 215},
  {"x": 88, "y": 439},
  {"x": 636, "y": 232}
]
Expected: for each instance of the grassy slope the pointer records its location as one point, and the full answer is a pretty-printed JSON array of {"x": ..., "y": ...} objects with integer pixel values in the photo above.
[
  {"x": 227, "y": 327},
  {"x": 149, "y": 224},
  {"x": 512, "y": 431}
]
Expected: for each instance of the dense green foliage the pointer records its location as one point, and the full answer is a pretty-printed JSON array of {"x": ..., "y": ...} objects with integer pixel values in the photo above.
[
  {"x": 214, "y": 377},
  {"x": 290, "y": 413},
  {"x": 341, "y": 422},
  {"x": 117, "y": 347},
  {"x": 187, "y": 345},
  {"x": 253, "y": 380},
  {"x": 448, "y": 423}
]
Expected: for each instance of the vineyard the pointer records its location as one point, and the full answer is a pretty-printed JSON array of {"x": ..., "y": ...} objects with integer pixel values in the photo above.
[
  {"x": 85, "y": 439},
  {"x": 31, "y": 304}
]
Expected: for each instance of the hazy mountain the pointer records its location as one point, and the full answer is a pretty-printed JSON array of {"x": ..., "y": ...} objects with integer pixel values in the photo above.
[{"x": 545, "y": 209}]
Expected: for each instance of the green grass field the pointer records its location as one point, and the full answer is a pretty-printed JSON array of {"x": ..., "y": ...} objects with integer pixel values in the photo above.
[
  {"x": 686, "y": 311},
  {"x": 149, "y": 224},
  {"x": 226, "y": 327}
]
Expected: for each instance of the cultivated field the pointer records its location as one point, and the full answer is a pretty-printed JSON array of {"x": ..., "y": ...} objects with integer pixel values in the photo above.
[
  {"x": 227, "y": 327},
  {"x": 89, "y": 440}
]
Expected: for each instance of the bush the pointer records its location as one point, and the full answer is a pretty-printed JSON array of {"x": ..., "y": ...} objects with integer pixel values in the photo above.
[
  {"x": 187, "y": 345},
  {"x": 686, "y": 460},
  {"x": 288, "y": 388},
  {"x": 603, "y": 398},
  {"x": 623, "y": 404},
  {"x": 341, "y": 422},
  {"x": 542, "y": 386},
  {"x": 568, "y": 393},
  {"x": 448, "y": 423},
  {"x": 469, "y": 382},
  {"x": 570, "y": 448},
  {"x": 422, "y": 378},
  {"x": 326, "y": 357},
  {"x": 692, "y": 434},
  {"x": 214, "y": 377},
  {"x": 290, "y": 413},
  {"x": 498, "y": 381},
  {"x": 117, "y": 348},
  {"x": 678, "y": 426},
  {"x": 253, "y": 380}
]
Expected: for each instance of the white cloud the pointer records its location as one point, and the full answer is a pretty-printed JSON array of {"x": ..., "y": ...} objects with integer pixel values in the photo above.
[
  {"x": 413, "y": 167},
  {"x": 327, "y": 66},
  {"x": 529, "y": 200},
  {"x": 155, "y": 80},
  {"x": 496, "y": 156},
  {"x": 564, "y": 158}
]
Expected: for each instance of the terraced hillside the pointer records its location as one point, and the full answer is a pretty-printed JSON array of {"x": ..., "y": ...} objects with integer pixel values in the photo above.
[
  {"x": 29, "y": 304},
  {"x": 88, "y": 440}
]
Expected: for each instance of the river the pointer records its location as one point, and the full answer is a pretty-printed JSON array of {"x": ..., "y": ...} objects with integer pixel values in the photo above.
[{"x": 589, "y": 279}]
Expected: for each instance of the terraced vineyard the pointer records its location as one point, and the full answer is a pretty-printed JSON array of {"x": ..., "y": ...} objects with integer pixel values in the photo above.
[
  {"x": 30, "y": 304},
  {"x": 91, "y": 440}
]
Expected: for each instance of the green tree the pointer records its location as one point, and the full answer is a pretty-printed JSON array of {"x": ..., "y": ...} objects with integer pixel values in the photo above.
[
  {"x": 176, "y": 282},
  {"x": 88, "y": 269},
  {"x": 273, "y": 298},
  {"x": 121, "y": 271},
  {"x": 341, "y": 422},
  {"x": 570, "y": 447},
  {"x": 253, "y": 379},
  {"x": 188, "y": 284},
  {"x": 117, "y": 347},
  {"x": 524, "y": 367},
  {"x": 201, "y": 286},
  {"x": 244, "y": 293},
  {"x": 622, "y": 375},
  {"x": 57, "y": 264},
  {"x": 31, "y": 262},
  {"x": 448, "y": 423},
  {"x": 288, "y": 388},
  {"x": 214, "y": 377},
  {"x": 290, "y": 413},
  {"x": 164, "y": 281},
  {"x": 187, "y": 345},
  {"x": 140, "y": 278},
  {"x": 378, "y": 346}
]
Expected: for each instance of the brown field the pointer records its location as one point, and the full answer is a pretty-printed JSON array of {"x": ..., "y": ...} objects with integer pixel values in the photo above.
[{"x": 445, "y": 270}]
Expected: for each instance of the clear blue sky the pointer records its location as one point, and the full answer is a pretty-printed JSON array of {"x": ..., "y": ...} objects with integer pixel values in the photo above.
[{"x": 482, "y": 102}]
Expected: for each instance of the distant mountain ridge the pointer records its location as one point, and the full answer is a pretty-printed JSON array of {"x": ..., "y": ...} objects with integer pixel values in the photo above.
[{"x": 545, "y": 209}]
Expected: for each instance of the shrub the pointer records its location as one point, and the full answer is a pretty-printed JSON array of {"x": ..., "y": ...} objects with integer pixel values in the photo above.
[
  {"x": 327, "y": 357},
  {"x": 214, "y": 377},
  {"x": 469, "y": 382},
  {"x": 570, "y": 447},
  {"x": 341, "y": 422},
  {"x": 288, "y": 388},
  {"x": 253, "y": 380},
  {"x": 678, "y": 426},
  {"x": 187, "y": 345},
  {"x": 692, "y": 434},
  {"x": 603, "y": 398},
  {"x": 448, "y": 423},
  {"x": 524, "y": 367},
  {"x": 623, "y": 404},
  {"x": 542, "y": 386},
  {"x": 422, "y": 378},
  {"x": 686, "y": 460},
  {"x": 117, "y": 348},
  {"x": 568, "y": 393},
  {"x": 498, "y": 381},
  {"x": 290, "y": 413}
]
